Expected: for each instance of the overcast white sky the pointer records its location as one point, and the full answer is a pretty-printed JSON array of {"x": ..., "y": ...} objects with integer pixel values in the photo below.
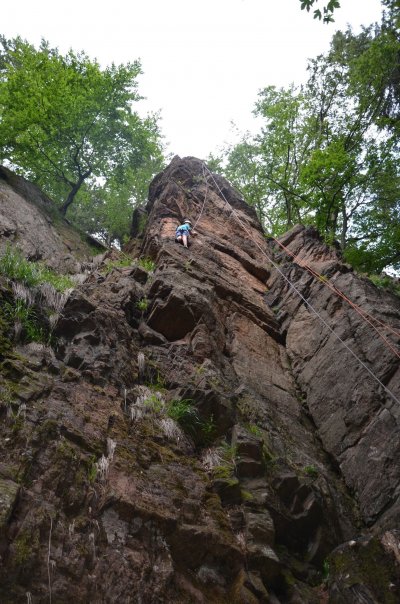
[{"x": 203, "y": 62}]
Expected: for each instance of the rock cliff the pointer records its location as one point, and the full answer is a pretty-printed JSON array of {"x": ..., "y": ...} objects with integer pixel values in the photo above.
[
  {"x": 29, "y": 219},
  {"x": 196, "y": 433}
]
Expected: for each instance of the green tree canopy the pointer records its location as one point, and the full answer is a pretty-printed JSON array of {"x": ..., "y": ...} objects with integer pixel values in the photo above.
[
  {"x": 69, "y": 125},
  {"x": 328, "y": 151}
]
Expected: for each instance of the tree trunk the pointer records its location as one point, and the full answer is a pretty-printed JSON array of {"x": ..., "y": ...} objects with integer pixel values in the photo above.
[
  {"x": 343, "y": 237},
  {"x": 333, "y": 222},
  {"x": 74, "y": 190},
  {"x": 289, "y": 221}
]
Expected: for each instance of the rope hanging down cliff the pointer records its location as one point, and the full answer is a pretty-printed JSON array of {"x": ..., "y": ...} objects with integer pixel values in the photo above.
[
  {"x": 178, "y": 184},
  {"x": 205, "y": 197},
  {"x": 367, "y": 317},
  {"x": 294, "y": 288}
]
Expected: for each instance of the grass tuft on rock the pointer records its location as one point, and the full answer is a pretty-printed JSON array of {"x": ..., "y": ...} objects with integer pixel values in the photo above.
[
  {"x": 16, "y": 267},
  {"x": 185, "y": 414}
]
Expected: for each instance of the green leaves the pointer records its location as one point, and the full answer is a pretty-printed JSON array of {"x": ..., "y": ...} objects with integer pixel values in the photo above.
[
  {"x": 327, "y": 152},
  {"x": 185, "y": 414},
  {"x": 326, "y": 15},
  {"x": 16, "y": 267},
  {"x": 68, "y": 124}
]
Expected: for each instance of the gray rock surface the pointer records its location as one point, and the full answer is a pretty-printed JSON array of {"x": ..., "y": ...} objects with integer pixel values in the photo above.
[
  {"x": 357, "y": 420},
  {"x": 29, "y": 220}
]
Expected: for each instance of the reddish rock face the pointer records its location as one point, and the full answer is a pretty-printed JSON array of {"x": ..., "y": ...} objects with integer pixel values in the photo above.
[
  {"x": 357, "y": 420},
  {"x": 197, "y": 435}
]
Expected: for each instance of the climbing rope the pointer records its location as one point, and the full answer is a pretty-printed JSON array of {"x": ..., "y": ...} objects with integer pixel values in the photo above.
[
  {"x": 334, "y": 288},
  {"x": 294, "y": 288},
  {"x": 205, "y": 197},
  {"x": 194, "y": 196},
  {"x": 368, "y": 318}
]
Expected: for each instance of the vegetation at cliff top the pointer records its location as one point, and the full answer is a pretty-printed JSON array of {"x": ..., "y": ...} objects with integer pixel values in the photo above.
[
  {"x": 386, "y": 282},
  {"x": 327, "y": 152},
  {"x": 68, "y": 125}
]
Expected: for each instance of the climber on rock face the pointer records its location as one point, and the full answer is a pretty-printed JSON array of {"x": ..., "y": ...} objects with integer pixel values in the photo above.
[{"x": 183, "y": 232}]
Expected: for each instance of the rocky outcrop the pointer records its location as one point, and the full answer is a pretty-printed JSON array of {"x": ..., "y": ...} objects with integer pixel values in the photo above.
[
  {"x": 196, "y": 435},
  {"x": 357, "y": 420},
  {"x": 29, "y": 219}
]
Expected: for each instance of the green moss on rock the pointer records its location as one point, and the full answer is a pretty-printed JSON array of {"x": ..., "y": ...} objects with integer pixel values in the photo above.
[
  {"x": 8, "y": 495},
  {"x": 25, "y": 548},
  {"x": 364, "y": 563}
]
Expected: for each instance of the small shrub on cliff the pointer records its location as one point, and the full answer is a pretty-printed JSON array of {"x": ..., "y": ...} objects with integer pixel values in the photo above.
[
  {"x": 6, "y": 395},
  {"x": 58, "y": 281},
  {"x": 15, "y": 413},
  {"x": 154, "y": 403},
  {"x": 221, "y": 461},
  {"x": 142, "y": 304},
  {"x": 25, "y": 321},
  {"x": 254, "y": 429},
  {"x": 185, "y": 414},
  {"x": 25, "y": 547},
  {"x": 156, "y": 381},
  {"x": 208, "y": 430},
  {"x": 223, "y": 471},
  {"x": 122, "y": 263},
  {"x": 147, "y": 404},
  {"x": 147, "y": 264},
  {"x": 92, "y": 469},
  {"x": 14, "y": 266},
  {"x": 311, "y": 471},
  {"x": 246, "y": 495}
]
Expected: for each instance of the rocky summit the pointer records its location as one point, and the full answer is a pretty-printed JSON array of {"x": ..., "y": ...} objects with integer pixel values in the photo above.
[{"x": 217, "y": 424}]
